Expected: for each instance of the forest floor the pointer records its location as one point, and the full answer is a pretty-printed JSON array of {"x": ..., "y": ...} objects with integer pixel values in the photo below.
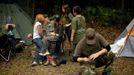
[{"x": 21, "y": 63}]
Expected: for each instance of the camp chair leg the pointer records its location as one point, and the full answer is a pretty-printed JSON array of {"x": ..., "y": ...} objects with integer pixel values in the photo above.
[
  {"x": 6, "y": 59},
  {"x": 13, "y": 52}
]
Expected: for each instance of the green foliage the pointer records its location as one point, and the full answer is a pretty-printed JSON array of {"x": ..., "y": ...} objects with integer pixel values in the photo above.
[{"x": 106, "y": 16}]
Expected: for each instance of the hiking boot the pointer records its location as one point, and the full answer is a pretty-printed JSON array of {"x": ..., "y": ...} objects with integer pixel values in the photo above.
[
  {"x": 34, "y": 63},
  {"x": 46, "y": 63},
  {"x": 51, "y": 60},
  {"x": 53, "y": 63}
]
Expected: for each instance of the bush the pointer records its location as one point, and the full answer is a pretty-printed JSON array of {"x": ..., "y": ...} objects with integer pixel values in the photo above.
[{"x": 106, "y": 16}]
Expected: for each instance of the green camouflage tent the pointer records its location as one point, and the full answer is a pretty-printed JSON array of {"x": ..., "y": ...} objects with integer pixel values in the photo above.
[{"x": 22, "y": 21}]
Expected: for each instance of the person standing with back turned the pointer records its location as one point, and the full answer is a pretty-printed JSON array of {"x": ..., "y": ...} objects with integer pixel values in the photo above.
[{"x": 78, "y": 26}]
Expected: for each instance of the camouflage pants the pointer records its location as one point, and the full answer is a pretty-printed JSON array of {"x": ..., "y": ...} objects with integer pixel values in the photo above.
[{"x": 105, "y": 61}]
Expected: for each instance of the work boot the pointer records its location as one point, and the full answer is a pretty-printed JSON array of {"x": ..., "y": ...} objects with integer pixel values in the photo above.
[
  {"x": 46, "y": 63},
  {"x": 52, "y": 62}
]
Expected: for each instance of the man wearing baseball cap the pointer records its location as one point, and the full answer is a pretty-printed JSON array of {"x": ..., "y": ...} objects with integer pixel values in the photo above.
[{"x": 92, "y": 48}]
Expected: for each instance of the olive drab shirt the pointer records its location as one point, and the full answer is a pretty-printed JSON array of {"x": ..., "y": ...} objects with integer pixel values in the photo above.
[
  {"x": 79, "y": 25},
  {"x": 48, "y": 28},
  {"x": 66, "y": 19}
]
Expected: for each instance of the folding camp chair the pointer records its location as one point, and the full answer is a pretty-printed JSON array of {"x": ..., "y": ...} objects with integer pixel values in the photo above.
[{"x": 6, "y": 49}]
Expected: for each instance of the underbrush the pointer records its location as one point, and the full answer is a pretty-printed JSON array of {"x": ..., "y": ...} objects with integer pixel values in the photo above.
[{"x": 106, "y": 16}]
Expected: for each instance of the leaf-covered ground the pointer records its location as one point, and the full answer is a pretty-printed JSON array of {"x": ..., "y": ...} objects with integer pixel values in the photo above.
[{"x": 21, "y": 63}]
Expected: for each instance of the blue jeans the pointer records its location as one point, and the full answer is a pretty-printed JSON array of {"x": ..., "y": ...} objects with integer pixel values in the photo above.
[{"x": 40, "y": 49}]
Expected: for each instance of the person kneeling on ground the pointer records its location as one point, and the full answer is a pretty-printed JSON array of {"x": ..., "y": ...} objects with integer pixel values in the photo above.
[{"x": 92, "y": 48}]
